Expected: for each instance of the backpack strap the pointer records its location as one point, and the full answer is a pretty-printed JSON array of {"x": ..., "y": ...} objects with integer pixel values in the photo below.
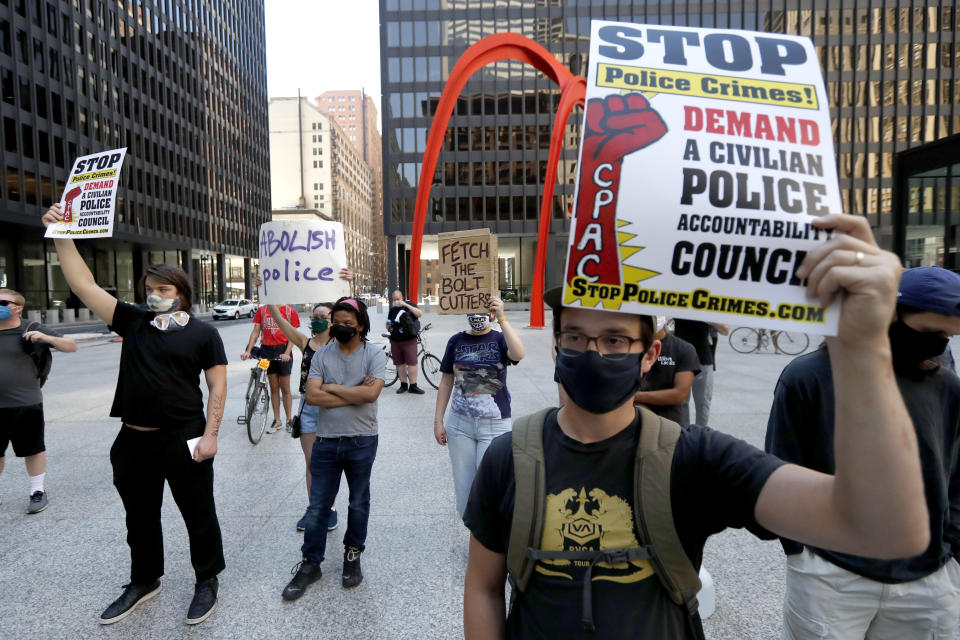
[
  {"x": 653, "y": 510},
  {"x": 529, "y": 501}
]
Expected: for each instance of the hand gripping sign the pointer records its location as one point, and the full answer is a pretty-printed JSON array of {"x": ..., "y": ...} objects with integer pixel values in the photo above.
[
  {"x": 705, "y": 155},
  {"x": 300, "y": 262},
  {"x": 89, "y": 197}
]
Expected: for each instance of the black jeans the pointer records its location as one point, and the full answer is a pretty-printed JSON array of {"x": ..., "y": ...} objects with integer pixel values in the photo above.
[{"x": 141, "y": 461}]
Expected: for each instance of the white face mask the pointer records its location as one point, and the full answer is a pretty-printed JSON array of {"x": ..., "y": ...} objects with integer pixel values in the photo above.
[
  {"x": 160, "y": 304},
  {"x": 479, "y": 322}
]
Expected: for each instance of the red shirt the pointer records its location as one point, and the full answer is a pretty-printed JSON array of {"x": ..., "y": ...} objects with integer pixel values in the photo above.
[{"x": 270, "y": 332}]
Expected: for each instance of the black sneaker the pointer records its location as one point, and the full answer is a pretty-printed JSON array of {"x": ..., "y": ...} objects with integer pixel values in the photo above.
[
  {"x": 204, "y": 601},
  {"x": 352, "y": 575},
  {"x": 304, "y": 573},
  {"x": 415, "y": 389},
  {"x": 403, "y": 388},
  {"x": 133, "y": 596},
  {"x": 38, "y": 502}
]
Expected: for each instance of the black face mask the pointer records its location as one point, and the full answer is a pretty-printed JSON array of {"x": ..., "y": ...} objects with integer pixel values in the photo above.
[
  {"x": 597, "y": 384},
  {"x": 911, "y": 347},
  {"x": 342, "y": 333}
]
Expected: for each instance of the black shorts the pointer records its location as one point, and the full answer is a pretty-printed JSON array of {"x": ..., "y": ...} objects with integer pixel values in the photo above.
[
  {"x": 22, "y": 426},
  {"x": 273, "y": 352}
]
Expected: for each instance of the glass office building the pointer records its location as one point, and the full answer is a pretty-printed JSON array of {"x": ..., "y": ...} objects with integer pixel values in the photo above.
[
  {"x": 182, "y": 85},
  {"x": 888, "y": 67}
]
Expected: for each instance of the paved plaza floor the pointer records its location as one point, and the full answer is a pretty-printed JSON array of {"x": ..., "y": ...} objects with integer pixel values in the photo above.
[{"x": 61, "y": 568}]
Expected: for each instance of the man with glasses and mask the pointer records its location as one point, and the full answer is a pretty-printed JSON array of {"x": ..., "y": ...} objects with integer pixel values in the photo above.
[
  {"x": 22, "y": 346},
  {"x": 841, "y": 595},
  {"x": 586, "y": 575}
]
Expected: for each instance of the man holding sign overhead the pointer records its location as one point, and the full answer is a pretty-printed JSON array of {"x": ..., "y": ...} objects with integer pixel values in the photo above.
[{"x": 598, "y": 512}]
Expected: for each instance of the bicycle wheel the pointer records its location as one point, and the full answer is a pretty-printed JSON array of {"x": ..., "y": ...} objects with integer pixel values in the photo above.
[
  {"x": 745, "y": 340},
  {"x": 430, "y": 369},
  {"x": 257, "y": 409},
  {"x": 390, "y": 373},
  {"x": 792, "y": 344}
]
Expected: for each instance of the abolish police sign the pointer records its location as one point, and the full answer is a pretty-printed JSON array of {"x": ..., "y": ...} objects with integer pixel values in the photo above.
[
  {"x": 89, "y": 197},
  {"x": 300, "y": 262},
  {"x": 705, "y": 155}
]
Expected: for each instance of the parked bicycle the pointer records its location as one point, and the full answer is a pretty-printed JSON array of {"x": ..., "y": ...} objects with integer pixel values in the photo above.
[
  {"x": 749, "y": 340},
  {"x": 429, "y": 363},
  {"x": 257, "y": 401}
]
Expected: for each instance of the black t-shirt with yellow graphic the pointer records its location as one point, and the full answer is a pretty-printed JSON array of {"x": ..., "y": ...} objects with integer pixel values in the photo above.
[{"x": 714, "y": 484}]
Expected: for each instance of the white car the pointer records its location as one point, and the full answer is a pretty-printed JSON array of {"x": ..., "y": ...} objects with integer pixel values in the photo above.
[{"x": 234, "y": 308}]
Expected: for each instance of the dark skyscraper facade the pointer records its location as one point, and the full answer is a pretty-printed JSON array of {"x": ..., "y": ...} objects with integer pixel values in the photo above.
[
  {"x": 889, "y": 70},
  {"x": 182, "y": 85}
]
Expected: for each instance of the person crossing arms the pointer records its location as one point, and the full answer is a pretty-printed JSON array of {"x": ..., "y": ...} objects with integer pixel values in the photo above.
[{"x": 345, "y": 381}]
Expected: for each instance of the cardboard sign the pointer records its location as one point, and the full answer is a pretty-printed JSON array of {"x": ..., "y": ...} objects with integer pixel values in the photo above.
[
  {"x": 89, "y": 198},
  {"x": 468, "y": 271},
  {"x": 706, "y": 154},
  {"x": 300, "y": 262}
]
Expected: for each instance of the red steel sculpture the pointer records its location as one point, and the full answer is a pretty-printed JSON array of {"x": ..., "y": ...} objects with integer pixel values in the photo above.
[{"x": 501, "y": 46}]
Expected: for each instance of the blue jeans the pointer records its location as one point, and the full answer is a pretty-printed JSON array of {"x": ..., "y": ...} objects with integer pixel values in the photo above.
[
  {"x": 467, "y": 440},
  {"x": 353, "y": 457}
]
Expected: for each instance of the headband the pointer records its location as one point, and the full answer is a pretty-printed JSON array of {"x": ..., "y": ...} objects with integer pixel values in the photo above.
[{"x": 352, "y": 303}]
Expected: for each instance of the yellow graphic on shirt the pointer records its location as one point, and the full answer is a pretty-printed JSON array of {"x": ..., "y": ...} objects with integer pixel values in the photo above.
[{"x": 578, "y": 521}]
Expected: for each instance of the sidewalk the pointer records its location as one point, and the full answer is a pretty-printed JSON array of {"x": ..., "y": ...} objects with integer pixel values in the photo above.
[{"x": 61, "y": 568}]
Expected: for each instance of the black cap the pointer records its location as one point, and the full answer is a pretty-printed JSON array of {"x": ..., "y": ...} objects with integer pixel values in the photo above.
[{"x": 554, "y": 297}]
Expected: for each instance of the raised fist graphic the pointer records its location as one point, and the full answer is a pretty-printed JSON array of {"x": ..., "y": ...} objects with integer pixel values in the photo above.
[
  {"x": 68, "y": 203},
  {"x": 615, "y": 126}
]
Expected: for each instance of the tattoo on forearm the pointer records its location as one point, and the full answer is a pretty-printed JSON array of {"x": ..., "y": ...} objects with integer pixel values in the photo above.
[{"x": 215, "y": 412}]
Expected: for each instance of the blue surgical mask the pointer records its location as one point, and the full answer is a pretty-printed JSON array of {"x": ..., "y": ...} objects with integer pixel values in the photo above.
[
  {"x": 160, "y": 304},
  {"x": 5, "y": 313}
]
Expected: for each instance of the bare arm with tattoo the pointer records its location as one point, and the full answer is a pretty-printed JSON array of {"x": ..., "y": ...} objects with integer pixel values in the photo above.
[{"x": 216, "y": 398}]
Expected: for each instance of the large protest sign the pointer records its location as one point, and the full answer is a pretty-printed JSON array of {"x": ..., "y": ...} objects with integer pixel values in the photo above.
[
  {"x": 706, "y": 154},
  {"x": 468, "y": 271},
  {"x": 89, "y": 198},
  {"x": 300, "y": 262}
]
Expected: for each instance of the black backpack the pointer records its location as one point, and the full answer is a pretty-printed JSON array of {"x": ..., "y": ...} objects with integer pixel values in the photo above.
[
  {"x": 406, "y": 326},
  {"x": 41, "y": 355},
  {"x": 652, "y": 509}
]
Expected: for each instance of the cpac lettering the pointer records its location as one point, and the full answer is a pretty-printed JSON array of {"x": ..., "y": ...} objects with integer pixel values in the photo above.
[
  {"x": 593, "y": 232},
  {"x": 98, "y": 163},
  {"x": 723, "y": 51}
]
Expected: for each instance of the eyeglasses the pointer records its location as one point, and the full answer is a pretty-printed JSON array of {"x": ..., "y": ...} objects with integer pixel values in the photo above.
[
  {"x": 7, "y": 303},
  {"x": 612, "y": 346}
]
